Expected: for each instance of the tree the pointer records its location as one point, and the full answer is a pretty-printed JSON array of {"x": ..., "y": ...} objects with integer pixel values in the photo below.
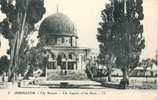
[
  {"x": 21, "y": 17},
  {"x": 154, "y": 61},
  {"x": 128, "y": 31},
  {"x": 148, "y": 63},
  {"x": 4, "y": 64},
  {"x": 126, "y": 35},
  {"x": 104, "y": 36},
  {"x": 24, "y": 59},
  {"x": 40, "y": 56}
]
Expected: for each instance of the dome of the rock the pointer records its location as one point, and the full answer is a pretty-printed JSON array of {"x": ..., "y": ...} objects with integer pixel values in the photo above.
[{"x": 57, "y": 24}]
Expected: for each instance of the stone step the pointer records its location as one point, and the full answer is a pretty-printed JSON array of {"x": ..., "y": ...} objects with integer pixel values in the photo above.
[{"x": 69, "y": 75}]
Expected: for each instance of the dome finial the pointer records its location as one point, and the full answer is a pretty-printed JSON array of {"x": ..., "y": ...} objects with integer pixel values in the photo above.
[{"x": 57, "y": 8}]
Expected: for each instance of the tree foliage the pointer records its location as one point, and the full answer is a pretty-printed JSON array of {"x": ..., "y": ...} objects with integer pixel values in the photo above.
[
  {"x": 21, "y": 17},
  {"x": 34, "y": 58},
  {"x": 106, "y": 56},
  {"x": 129, "y": 33},
  {"x": 104, "y": 33}
]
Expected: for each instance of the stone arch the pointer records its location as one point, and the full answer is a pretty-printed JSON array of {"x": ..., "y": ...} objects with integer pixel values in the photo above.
[
  {"x": 60, "y": 56},
  {"x": 72, "y": 64},
  {"x": 72, "y": 55},
  {"x": 51, "y": 54}
]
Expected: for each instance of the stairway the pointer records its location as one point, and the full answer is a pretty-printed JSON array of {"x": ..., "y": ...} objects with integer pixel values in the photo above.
[{"x": 69, "y": 75}]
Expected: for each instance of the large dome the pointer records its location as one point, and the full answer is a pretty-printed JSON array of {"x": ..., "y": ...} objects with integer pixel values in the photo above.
[{"x": 57, "y": 24}]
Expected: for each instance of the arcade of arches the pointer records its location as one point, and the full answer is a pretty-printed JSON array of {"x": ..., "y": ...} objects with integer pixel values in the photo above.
[{"x": 67, "y": 60}]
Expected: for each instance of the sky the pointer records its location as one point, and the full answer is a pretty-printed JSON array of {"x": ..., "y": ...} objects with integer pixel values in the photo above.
[{"x": 86, "y": 15}]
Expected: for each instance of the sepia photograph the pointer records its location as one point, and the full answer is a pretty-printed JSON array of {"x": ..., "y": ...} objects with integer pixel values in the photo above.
[{"x": 101, "y": 49}]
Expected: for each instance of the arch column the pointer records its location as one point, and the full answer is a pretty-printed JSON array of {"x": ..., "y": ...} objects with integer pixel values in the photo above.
[{"x": 66, "y": 61}]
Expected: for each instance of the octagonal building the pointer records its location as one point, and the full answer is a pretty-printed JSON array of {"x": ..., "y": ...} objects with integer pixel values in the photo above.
[{"x": 59, "y": 37}]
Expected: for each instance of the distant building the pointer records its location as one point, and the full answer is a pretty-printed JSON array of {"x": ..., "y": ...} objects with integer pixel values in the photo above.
[{"x": 141, "y": 72}]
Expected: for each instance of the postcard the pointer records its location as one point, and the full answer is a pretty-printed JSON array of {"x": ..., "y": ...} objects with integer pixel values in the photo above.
[{"x": 78, "y": 49}]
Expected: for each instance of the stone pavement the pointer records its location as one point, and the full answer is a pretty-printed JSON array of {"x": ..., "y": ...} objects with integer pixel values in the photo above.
[
  {"x": 84, "y": 84},
  {"x": 75, "y": 82}
]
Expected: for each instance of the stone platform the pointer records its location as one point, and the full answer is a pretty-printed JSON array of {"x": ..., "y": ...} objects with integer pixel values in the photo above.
[{"x": 68, "y": 75}]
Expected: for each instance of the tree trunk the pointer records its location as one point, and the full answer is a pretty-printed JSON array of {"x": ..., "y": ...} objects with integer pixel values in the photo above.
[
  {"x": 12, "y": 77},
  {"x": 111, "y": 62},
  {"x": 125, "y": 81},
  {"x": 125, "y": 75},
  {"x": 27, "y": 75},
  {"x": 109, "y": 74},
  {"x": 12, "y": 58},
  {"x": 109, "y": 77},
  {"x": 14, "y": 62}
]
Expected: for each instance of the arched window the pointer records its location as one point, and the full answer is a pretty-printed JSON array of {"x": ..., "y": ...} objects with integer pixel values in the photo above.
[
  {"x": 52, "y": 55},
  {"x": 72, "y": 56},
  {"x": 60, "y": 57},
  {"x": 63, "y": 40}
]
